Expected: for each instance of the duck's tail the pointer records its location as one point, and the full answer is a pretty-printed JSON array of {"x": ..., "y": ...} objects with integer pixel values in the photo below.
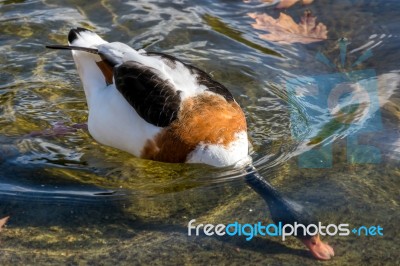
[
  {"x": 82, "y": 37},
  {"x": 92, "y": 70}
]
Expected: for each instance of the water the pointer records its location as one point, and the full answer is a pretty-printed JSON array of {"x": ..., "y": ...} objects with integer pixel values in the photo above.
[{"x": 72, "y": 200}]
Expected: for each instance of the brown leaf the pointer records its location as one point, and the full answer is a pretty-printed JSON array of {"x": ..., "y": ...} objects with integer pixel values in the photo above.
[
  {"x": 3, "y": 222},
  {"x": 289, "y": 3},
  {"x": 263, "y": 1},
  {"x": 283, "y": 3},
  {"x": 285, "y": 30},
  {"x": 286, "y": 3}
]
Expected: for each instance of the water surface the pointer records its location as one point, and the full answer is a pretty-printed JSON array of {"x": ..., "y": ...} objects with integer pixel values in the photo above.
[{"x": 72, "y": 200}]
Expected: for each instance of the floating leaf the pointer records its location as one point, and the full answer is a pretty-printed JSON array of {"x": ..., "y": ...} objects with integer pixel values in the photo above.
[
  {"x": 285, "y": 30},
  {"x": 289, "y": 3},
  {"x": 219, "y": 26},
  {"x": 3, "y": 221},
  {"x": 283, "y": 3},
  {"x": 264, "y": 1}
]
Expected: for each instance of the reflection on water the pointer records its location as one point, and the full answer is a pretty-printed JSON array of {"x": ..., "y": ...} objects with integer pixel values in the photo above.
[{"x": 71, "y": 199}]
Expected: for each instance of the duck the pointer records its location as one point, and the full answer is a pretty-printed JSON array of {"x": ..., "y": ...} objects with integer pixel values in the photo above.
[{"x": 158, "y": 107}]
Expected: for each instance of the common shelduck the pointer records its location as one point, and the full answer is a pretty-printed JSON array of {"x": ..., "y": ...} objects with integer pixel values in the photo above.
[{"x": 158, "y": 107}]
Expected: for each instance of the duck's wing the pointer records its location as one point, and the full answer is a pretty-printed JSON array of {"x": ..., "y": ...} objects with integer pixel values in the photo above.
[
  {"x": 157, "y": 85},
  {"x": 155, "y": 99}
]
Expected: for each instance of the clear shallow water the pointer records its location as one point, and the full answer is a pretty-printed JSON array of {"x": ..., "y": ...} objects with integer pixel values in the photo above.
[{"x": 73, "y": 200}]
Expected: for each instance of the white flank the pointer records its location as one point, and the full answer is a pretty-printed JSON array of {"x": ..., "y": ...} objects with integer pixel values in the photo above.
[
  {"x": 114, "y": 122},
  {"x": 219, "y": 156}
]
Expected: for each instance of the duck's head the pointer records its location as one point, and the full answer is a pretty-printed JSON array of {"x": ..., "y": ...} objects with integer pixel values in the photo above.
[
  {"x": 288, "y": 212},
  {"x": 319, "y": 249}
]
